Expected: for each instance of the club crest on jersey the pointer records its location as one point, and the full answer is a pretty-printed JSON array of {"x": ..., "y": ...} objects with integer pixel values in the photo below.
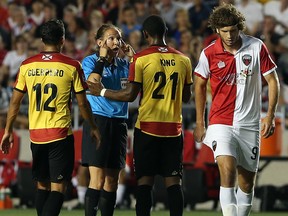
[
  {"x": 47, "y": 57},
  {"x": 163, "y": 49},
  {"x": 214, "y": 145},
  {"x": 221, "y": 64},
  {"x": 247, "y": 59}
]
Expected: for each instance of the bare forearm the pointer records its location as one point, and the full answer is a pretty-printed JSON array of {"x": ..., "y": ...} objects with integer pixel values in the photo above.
[
  {"x": 11, "y": 116},
  {"x": 274, "y": 89},
  {"x": 200, "y": 101},
  {"x": 121, "y": 95},
  {"x": 86, "y": 113}
]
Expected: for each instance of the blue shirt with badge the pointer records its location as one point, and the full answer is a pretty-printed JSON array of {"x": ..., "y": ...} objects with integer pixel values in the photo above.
[{"x": 114, "y": 77}]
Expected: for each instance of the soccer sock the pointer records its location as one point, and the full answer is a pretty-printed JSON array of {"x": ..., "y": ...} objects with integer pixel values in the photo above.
[
  {"x": 107, "y": 203},
  {"x": 143, "y": 200},
  {"x": 91, "y": 202},
  {"x": 120, "y": 193},
  {"x": 244, "y": 202},
  {"x": 53, "y": 204},
  {"x": 81, "y": 191},
  {"x": 176, "y": 200},
  {"x": 40, "y": 199},
  {"x": 228, "y": 201}
]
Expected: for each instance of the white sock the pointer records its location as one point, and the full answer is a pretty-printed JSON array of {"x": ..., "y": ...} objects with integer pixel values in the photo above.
[
  {"x": 81, "y": 191},
  {"x": 228, "y": 201},
  {"x": 120, "y": 193},
  {"x": 244, "y": 202}
]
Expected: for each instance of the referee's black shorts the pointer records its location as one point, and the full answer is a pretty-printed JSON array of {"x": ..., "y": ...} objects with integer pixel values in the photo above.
[
  {"x": 53, "y": 161},
  {"x": 157, "y": 155},
  {"x": 112, "y": 152}
]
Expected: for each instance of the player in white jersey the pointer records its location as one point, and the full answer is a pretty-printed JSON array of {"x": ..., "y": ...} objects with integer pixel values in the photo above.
[{"x": 235, "y": 64}]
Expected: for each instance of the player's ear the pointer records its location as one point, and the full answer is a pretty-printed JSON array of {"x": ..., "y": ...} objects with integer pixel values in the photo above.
[
  {"x": 145, "y": 34},
  {"x": 99, "y": 42}
]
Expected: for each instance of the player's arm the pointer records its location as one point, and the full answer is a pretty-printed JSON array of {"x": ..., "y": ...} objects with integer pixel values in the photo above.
[
  {"x": 200, "y": 102},
  {"x": 268, "y": 124},
  {"x": 187, "y": 92},
  {"x": 15, "y": 102},
  {"x": 86, "y": 113},
  {"x": 128, "y": 94}
]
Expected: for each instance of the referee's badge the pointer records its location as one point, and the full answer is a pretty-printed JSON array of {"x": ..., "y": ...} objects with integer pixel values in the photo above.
[{"x": 123, "y": 82}]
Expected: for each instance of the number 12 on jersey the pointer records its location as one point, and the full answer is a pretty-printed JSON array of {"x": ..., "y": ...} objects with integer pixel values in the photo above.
[{"x": 53, "y": 93}]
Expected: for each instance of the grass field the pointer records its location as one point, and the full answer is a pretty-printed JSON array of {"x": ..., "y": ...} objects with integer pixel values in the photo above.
[{"x": 32, "y": 212}]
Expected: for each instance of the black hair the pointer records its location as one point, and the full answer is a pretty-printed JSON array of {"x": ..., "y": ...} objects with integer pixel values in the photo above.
[
  {"x": 52, "y": 32},
  {"x": 155, "y": 26}
]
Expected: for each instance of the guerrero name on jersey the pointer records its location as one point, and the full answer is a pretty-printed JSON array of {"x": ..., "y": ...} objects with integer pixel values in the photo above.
[{"x": 49, "y": 79}]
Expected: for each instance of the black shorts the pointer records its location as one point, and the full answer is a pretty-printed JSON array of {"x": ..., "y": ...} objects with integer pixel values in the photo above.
[
  {"x": 112, "y": 152},
  {"x": 157, "y": 155},
  {"x": 53, "y": 161}
]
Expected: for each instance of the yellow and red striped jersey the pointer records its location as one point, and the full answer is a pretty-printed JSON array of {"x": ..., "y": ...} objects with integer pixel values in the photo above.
[
  {"x": 162, "y": 72},
  {"x": 49, "y": 79}
]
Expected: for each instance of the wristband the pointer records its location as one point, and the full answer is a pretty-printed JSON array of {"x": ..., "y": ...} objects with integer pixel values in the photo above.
[
  {"x": 99, "y": 65},
  {"x": 102, "y": 92}
]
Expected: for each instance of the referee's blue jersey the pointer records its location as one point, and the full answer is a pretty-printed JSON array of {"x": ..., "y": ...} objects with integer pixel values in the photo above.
[{"x": 114, "y": 77}]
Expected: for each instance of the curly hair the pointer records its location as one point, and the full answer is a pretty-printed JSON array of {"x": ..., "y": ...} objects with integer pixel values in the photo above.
[{"x": 226, "y": 15}]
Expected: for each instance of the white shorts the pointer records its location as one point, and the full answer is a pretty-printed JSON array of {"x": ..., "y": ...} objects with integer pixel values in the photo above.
[{"x": 241, "y": 143}]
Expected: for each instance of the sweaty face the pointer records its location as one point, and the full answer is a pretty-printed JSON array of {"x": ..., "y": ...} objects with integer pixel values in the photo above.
[{"x": 230, "y": 36}]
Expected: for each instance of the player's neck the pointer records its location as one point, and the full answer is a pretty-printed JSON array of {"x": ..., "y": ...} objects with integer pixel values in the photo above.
[
  {"x": 233, "y": 48},
  {"x": 52, "y": 48},
  {"x": 157, "y": 42}
]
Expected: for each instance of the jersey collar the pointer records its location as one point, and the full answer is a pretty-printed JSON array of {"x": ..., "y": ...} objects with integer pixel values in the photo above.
[{"x": 219, "y": 49}]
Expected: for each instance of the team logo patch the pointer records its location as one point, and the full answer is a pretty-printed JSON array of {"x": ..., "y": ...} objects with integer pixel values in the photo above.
[
  {"x": 163, "y": 49},
  {"x": 247, "y": 59},
  {"x": 60, "y": 177},
  {"x": 214, "y": 145},
  {"x": 47, "y": 57},
  {"x": 174, "y": 173},
  {"x": 221, "y": 64}
]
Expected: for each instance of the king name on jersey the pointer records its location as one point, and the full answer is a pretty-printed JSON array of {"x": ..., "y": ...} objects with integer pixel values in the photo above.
[
  {"x": 45, "y": 72},
  {"x": 167, "y": 62}
]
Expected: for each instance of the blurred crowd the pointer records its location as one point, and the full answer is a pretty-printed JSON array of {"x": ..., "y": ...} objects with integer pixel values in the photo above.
[{"x": 187, "y": 31}]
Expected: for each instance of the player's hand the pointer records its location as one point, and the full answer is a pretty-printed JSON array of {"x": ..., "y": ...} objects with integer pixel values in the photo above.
[
  {"x": 199, "y": 133},
  {"x": 267, "y": 126},
  {"x": 6, "y": 142},
  {"x": 95, "y": 87},
  {"x": 97, "y": 136}
]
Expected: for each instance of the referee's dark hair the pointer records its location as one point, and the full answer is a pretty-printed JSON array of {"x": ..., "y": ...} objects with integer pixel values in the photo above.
[
  {"x": 155, "y": 26},
  {"x": 52, "y": 32}
]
